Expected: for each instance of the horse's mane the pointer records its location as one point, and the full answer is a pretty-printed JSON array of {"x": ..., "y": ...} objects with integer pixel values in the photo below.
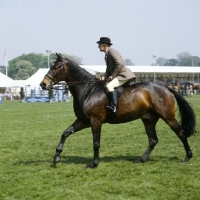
[
  {"x": 83, "y": 73},
  {"x": 80, "y": 74}
]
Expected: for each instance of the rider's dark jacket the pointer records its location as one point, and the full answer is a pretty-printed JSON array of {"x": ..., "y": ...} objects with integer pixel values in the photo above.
[{"x": 115, "y": 66}]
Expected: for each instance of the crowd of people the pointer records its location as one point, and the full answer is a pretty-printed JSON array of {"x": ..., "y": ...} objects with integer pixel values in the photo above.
[{"x": 187, "y": 89}]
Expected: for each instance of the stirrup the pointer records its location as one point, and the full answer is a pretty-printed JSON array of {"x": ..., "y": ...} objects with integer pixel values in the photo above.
[{"x": 112, "y": 108}]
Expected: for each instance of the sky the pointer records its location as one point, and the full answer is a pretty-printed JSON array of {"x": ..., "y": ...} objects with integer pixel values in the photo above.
[{"x": 138, "y": 29}]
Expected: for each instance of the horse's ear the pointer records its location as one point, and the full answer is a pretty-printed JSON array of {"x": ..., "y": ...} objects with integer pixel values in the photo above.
[{"x": 60, "y": 57}]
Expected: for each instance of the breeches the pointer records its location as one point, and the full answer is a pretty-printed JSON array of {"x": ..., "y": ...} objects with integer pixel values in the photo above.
[{"x": 114, "y": 83}]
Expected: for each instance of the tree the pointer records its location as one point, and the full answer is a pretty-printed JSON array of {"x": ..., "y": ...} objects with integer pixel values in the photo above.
[
  {"x": 182, "y": 55},
  {"x": 171, "y": 62},
  {"x": 128, "y": 62},
  {"x": 187, "y": 61},
  {"x": 76, "y": 59},
  {"x": 24, "y": 69},
  {"x": 184, "y": 59},
  {"x": 37, "y": 61},
  {"x": 3, "y": 69},
  {"x": 161, "y": 61},
  {"x": 195, "y": 61}
]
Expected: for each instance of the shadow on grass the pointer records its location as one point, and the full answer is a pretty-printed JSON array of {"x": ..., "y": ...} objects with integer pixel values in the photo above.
[
  {"x": 77, "y": 160},
  {"x": 86, "y": 160},
  {"x": 31, "y": 162}
]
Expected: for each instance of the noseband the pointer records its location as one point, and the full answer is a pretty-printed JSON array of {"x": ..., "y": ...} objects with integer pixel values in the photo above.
[{"x": 53, "y": 78}]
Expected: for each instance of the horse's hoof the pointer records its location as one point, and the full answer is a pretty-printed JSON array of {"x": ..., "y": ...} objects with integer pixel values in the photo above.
[
  {"x": 56, "y": 159},
  {"x": 91, "y": 166},
  {"x": 185, "y": 160}
]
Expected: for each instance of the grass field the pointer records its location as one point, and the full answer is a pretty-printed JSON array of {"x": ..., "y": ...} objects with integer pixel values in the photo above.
[{"x": 30, "y": 132}]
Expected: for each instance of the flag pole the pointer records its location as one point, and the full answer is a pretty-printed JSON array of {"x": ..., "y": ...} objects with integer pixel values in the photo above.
[{"x": 6, "y": 65}]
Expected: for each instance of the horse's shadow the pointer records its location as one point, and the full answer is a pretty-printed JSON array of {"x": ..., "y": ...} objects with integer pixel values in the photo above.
[
  {"x": 77, "y": 160},
  {"x": 86, "y": 160},
  {"x": 106, "y": 159},
  {"x": 31, "y": 162}
]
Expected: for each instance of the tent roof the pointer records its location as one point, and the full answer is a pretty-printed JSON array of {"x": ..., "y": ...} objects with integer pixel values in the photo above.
[
  {"x": 18, "y": 83},
  {"x": 149, "y": 69},
  {"x": 35, "y": 79},
  {"x": 5, "y": 81}
]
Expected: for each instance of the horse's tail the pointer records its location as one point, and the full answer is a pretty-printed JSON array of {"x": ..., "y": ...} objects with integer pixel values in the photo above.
[{"x": 188, "y": 117}]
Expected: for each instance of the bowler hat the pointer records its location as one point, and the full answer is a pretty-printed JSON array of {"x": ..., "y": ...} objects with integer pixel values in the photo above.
[{"x": 104, "y": 40}]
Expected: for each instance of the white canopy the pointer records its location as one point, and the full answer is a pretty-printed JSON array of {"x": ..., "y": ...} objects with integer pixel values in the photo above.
[
  {"x": 5, "y": 81},
  {"x": 35, "y": 79}
]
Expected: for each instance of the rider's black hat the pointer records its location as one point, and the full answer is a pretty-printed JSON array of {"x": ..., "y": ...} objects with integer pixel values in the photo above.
[{"x": 104, "y": 40}]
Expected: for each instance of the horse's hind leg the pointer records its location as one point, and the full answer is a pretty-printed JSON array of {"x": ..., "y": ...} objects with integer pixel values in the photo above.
[
  {"x": 76, "y": 126},
  {"x": 152, "y": 137},
  {"x": 180, "y": 133}
]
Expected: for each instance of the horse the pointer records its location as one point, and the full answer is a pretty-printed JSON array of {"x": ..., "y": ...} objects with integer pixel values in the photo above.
[
  {"x": 148, "y": 101},
  {"x": 197, "y": 88}
]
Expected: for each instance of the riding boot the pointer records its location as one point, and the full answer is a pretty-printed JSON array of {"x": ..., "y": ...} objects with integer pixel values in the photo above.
[{"x": 114, "y": 102}]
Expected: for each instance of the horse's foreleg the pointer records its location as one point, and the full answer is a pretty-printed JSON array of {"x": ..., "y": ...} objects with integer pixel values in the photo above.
[
  {"x": 96, "y": 132},
  {"x": 152, "y": 137},
  {"x": 76, "y": 126}
]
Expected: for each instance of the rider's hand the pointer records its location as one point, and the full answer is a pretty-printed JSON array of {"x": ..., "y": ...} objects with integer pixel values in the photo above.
[
  {"x": 110, "y": 78},
  {"x": 102, "y": 78}
]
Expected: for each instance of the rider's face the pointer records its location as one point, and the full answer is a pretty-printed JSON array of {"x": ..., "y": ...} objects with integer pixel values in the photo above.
[{"x": 102, "y": 47}]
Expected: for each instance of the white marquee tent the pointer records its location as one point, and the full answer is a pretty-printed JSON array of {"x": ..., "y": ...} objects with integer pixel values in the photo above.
[
  {"x": 34, "y": 81},
  {"x": 6, "y": 81}
]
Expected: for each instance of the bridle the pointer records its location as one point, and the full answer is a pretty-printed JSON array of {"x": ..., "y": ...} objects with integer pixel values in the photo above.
[{"x": 53, "y": 78}]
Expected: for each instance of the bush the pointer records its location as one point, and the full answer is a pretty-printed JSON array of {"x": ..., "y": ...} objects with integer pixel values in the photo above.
[
  {"x": 66, "y": 90},
  {"x": 22, "y": 95},
  {"x": 50, "y": 94}
]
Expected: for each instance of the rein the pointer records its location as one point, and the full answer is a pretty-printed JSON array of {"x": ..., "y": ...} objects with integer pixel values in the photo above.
[
  {"x": 75, "y": 83},
  {"x": 56, "y": 81},
  {"x": 78, "y": 82}
]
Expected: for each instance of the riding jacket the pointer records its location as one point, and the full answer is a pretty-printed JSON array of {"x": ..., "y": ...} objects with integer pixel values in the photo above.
[{"x": 115, "y": 66}]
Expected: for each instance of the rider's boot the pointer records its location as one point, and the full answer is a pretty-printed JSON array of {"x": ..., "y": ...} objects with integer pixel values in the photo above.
[{"x": 114, "y": 102}]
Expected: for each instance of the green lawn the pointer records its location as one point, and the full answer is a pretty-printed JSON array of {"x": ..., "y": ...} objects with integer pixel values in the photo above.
[{"x": 30, "y": 132}]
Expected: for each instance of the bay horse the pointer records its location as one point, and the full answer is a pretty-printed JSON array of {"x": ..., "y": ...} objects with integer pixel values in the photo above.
[
  {"x": 197, "y": 88},
  {"x": 148, "y": 101}
]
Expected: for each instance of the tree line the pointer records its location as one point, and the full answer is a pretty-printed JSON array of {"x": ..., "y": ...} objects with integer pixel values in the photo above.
[
  {"x": 183, "y": 59},
  {"x": 24, "y": 66}
]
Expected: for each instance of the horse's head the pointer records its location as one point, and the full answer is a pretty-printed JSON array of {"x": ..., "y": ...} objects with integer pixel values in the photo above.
[{"x": 57, "y": 73}]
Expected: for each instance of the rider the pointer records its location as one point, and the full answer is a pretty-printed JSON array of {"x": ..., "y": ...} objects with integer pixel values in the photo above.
[{"x": 116, "y": 71}]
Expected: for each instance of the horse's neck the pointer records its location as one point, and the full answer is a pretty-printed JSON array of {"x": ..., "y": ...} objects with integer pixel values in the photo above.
[{"x": 76, "y": 75}]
